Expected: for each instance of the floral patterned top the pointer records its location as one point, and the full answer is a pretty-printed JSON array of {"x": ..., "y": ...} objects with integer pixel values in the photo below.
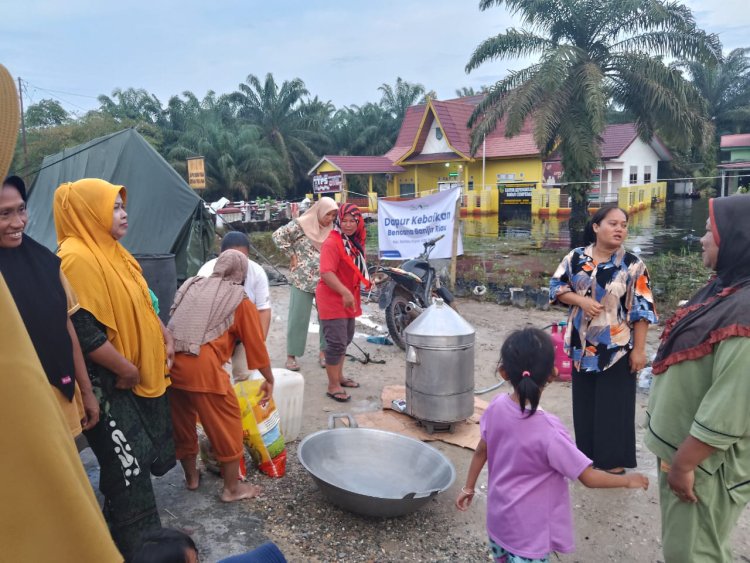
[
  {"x": 622, "y": 286},
  {"x": 291, "y": 240}
]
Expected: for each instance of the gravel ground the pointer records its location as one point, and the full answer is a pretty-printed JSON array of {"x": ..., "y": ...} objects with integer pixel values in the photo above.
[
  {"x": 312, "y": 529},
  {"x": 611, "y": 525}
]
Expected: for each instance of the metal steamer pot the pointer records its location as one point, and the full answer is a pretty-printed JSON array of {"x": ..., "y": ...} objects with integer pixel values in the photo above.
[
  {"x": 439, "y": 368},
  {"x": 373, "y": 472}
]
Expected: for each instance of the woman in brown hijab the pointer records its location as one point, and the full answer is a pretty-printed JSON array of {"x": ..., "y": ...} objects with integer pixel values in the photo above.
[{"x": 209, "y": 316}]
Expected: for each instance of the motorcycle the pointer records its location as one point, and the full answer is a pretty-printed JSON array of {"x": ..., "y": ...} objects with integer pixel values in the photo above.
[{"x": 408, "y": 290}]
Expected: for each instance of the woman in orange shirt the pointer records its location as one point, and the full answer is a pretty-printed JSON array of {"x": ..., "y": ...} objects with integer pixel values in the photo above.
[{"x": 209, "y": 316}]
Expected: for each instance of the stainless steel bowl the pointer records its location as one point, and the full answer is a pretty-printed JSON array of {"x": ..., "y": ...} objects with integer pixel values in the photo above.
[{"x": 374, "y": 472}]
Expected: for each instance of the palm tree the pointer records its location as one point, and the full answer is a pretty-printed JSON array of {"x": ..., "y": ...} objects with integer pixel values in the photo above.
[
  {"x": 239, "y": 162},
  {"x": 131, "y": 104},
  {"x": 278, "y": 111},
  {"x": 592, "y": 53},
  {"x": 397, "y": 98},
  {"x": 366, "y": 130},
  {"x": 726, "y": 89}
]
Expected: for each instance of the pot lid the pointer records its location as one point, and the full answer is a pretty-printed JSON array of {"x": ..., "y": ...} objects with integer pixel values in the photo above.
[{"x": 439, "y": 319}]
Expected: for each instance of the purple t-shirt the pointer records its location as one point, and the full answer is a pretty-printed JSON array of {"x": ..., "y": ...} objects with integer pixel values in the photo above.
[{"x": 528, "y": 503}]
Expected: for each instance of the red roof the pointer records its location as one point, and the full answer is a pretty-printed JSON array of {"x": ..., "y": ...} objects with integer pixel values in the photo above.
[
  {"x": 617, "y": 138},
  {"x": 735, "y": 141},
  {"x": 454, "y": 116},
  {"x": 361, "y": 164},
  {"x": 406, "y": 134},
  {"x": 500, "y": 146}
]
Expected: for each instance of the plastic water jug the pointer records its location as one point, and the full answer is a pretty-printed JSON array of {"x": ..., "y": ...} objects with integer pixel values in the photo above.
[
  {"x": 288, "y": 392},
  {"x": 563, "y": 363}
]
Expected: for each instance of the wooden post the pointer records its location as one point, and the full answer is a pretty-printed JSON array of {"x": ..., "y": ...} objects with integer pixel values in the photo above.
[{"x": 454, "y": 245}]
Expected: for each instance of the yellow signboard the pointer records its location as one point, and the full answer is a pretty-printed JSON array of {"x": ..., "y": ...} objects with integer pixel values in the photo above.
[{"x": 196, "y": 173}]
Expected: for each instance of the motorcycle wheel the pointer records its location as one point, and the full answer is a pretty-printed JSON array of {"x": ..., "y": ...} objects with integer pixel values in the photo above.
[{"x": 397, "y": 319}]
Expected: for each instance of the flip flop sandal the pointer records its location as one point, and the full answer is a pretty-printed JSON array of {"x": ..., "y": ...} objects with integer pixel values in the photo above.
[
  {"x": 292, "y": 365},
  {"x": 339, "y": 396},
  {"x": 350, "y": 383}
]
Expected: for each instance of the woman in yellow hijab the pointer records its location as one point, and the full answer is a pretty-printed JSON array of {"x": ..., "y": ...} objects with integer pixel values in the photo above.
[{"x": 128, "y": 352}]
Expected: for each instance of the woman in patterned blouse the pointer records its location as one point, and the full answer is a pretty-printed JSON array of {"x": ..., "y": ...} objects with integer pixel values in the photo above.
[
  {"x": 301, "y": 240},
  {"x": 610, "y": 306}
]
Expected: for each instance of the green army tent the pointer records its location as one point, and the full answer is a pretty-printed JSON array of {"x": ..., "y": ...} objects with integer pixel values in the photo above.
[{"x": 165, "y": 215}]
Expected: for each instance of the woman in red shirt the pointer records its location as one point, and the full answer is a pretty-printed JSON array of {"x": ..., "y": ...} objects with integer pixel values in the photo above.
[{"x": 342, "y": 269}]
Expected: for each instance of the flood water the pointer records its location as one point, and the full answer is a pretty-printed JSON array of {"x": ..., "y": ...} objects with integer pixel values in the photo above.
[{"x": 674, "y": 226}]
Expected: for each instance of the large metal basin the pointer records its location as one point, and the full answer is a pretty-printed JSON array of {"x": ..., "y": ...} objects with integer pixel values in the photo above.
[{"x": 374, "y": 472}]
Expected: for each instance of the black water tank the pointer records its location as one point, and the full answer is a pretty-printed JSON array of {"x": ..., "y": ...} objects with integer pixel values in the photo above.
[{"x": 161, "y": 275}]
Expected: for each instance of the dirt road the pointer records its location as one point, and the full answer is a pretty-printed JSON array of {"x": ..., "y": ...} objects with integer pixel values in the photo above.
[{"x": 611, "y": 525}]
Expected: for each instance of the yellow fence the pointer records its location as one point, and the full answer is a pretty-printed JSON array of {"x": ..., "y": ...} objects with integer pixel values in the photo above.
[{"x": 637, "y": 197}]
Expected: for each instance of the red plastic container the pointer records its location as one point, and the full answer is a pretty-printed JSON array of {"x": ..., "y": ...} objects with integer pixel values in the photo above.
[{"x": 563, "y": 362}]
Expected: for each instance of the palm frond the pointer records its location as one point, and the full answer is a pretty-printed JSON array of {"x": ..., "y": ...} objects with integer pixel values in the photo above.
[{"x": 509, "y": 45}]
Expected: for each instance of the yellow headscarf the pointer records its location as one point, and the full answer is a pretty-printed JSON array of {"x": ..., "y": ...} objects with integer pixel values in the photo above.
[{"x": 107, "y": 279}]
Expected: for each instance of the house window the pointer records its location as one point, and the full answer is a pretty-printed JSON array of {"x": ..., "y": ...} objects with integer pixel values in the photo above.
[
  {"x": 647, "y": 175},
  {"x": 633, "y": 175},
  {"x": 406, "y": 190}
]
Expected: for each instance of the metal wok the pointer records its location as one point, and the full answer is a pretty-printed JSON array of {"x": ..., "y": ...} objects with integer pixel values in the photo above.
[{"x": 374, "y": 472}]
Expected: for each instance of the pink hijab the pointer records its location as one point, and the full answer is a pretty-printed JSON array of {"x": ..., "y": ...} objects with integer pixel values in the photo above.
[{"x": 310, "y": 221}]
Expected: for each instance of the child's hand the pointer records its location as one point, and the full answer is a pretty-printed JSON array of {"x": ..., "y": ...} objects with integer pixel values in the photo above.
[
  {"x": 637, "y": 481},
  {"x": 464, "y": 500}
]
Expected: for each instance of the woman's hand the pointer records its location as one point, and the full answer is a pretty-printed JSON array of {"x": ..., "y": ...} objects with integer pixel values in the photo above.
[
  {"x": 293, "y": 261},
  {"x": 681, "y": 483},
  {"x": 169, "y": 345},
  {"x": 348, "y": 300},
  {"x": 90, "y": 409},
  {"x": 637, "y": 360},
  {"x": 591, "y": 307},
  {"x": 128, "y": 377}
]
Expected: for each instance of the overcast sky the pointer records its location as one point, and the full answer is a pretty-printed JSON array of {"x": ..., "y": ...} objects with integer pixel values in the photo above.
[{"x": 343, "y": 50}]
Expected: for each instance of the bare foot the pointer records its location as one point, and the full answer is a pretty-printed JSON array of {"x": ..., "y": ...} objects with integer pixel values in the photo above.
[
  {"x": 192, "y": 481},
  {"x": 242, "y": 491},
  {"x": 192, "y": 476}
]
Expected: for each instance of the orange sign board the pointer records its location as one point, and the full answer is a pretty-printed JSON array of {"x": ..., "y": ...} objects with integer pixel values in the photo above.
[{"x": 196, "y": 173}]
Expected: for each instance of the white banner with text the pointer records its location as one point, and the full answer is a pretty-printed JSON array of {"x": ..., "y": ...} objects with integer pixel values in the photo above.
[{"x": 404, "y": 226}]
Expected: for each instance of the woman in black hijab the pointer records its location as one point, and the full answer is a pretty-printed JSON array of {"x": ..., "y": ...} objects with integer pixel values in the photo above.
[
  {"x": 699, "y": 409},
  {"x": 45, "y": 301}
]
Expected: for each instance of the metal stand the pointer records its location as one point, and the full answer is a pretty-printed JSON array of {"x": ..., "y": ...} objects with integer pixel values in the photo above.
[{"x": 432, "y": 427}]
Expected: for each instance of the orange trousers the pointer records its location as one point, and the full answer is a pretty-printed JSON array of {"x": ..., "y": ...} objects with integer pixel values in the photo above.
[{"x": 218, "y": 414}]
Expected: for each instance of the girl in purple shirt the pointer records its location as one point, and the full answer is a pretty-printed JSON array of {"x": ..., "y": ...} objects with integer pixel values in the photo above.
[{"x": 530, "y": 456}]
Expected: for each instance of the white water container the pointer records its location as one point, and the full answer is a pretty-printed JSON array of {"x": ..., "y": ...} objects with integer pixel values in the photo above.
[{"x": 288, "y": 392}]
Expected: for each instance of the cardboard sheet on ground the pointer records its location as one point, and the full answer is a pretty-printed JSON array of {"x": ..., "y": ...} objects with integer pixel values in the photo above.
[{"x": 465, "y": 434}]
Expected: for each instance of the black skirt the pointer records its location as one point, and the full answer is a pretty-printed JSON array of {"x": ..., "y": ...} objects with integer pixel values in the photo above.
[{"x": 604, "y": 415}]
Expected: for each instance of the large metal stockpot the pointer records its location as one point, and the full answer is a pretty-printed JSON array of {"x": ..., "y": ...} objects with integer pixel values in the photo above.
[{"x": 439, "y": 367}]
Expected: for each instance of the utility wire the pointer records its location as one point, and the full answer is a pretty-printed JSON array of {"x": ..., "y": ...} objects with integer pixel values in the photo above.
[{"x": 62, "y": 92}]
